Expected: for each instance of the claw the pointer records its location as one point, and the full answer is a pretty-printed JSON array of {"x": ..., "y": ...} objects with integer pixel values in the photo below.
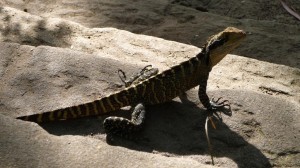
[
  {"x": 135, "y": 77},
  {"x": 218, "y": 116},
  {"x": 217, "y": 104},
  {"x": 123, "y": 78},
  {"x": 224, "y": 101},
  {"x": 226, "y": 105},
  {"x": 219, "y": 99},
  {"x": 145, "y": 68}
]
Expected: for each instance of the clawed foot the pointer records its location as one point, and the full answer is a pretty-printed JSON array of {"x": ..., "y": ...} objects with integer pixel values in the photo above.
[
  {"x": 144, "y": 73},
  {"x": 217, "y": 104}
]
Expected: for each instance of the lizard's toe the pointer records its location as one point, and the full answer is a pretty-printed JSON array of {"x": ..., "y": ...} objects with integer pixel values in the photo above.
[{"x": 219, "y": 103}]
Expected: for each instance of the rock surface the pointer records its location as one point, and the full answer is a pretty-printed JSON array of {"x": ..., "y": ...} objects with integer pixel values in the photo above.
[
  {"x": 274, "y": 35},
  {"x": 79, "y": 64}
]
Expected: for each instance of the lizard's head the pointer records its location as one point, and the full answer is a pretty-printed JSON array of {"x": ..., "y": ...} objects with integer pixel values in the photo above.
[{"x": 224, "y": 42}]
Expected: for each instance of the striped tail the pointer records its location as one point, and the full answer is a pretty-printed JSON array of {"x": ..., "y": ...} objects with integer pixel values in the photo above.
[{"x": 98, "y": 107}]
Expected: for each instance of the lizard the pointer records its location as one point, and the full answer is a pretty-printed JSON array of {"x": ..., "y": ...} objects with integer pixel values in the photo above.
[{"x": 150, "y": 87}]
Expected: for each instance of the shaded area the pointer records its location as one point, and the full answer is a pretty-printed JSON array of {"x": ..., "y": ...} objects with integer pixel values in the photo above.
[
  {"x": 175, "y": 129},
  {"x": 24, "y": 147}
]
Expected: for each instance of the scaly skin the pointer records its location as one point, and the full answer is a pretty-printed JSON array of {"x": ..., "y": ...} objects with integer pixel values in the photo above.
[{"x": 158, "y": 88}]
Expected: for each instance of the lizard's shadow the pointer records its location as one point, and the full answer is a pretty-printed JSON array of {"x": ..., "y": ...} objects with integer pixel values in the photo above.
[
  {"x": 174, "y": 128},
  {"x": 179, "y": 129}
]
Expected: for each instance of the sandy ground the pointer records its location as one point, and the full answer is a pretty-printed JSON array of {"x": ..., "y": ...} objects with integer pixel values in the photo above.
[{"x": 264, "y": 84}]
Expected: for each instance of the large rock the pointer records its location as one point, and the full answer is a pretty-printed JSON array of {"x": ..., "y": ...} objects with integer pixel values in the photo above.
[
  {"x": 263, "y": 130},
  {"x": 274, "y": 35}
]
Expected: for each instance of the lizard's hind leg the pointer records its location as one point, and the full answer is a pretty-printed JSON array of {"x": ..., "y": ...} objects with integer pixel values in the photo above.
[{"x": 123, "y": 127}]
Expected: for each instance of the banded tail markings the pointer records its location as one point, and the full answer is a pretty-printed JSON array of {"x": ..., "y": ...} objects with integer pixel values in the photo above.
[
  {"x": 26, "y": 118},
  {"x": 87, "y": 108},
  {"x": 123, "y": 96},
  {"x": 77, "y": 110},
  {"x": 82, "y": 109},
  {"x": 117, "y": 100},
  {"x": 51, "y": 116},
  {"x": 44, "y": 117},
  {"x": 65, "y": 114},
  {"x": 93, "y": 108},
  {"x": 103, "y": 109},
  {"x": 140, "y": 91},
  {"x": 112, "y": 102},
  {"x": 132, "y": 93},
  {"x": 40, "y": 118},
  {"x": 132, "y": 90},
  {"x": 107, "y": 102},
  {"x": 127, "y": 96},
  {"x": 59, "y": 113},
  {"x": 73, "y": 111},
  {"x": 90, "y": 109},
  {"x": 97, "y": 107}
]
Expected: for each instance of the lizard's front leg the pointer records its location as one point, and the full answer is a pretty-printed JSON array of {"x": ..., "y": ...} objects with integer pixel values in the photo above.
[{"x": 210, "y": 105}]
